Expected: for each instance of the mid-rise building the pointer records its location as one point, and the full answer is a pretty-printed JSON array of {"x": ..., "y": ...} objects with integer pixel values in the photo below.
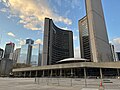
[
  {"x": 100, "y": 50},
  {"x": 9, "y": 49},
  {"x": 6, "y": 66},
  {"x": 1, "y": 53},
  {"x": 16, "y": 55},
  {"x": 57, "y": 44}
]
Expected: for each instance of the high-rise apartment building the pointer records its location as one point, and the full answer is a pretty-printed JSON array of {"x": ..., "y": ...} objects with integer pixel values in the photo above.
[
  {"x": 98, "y": 38},
  {"x": 9, "y": 49},
  {"x": 58, "y": 43}
]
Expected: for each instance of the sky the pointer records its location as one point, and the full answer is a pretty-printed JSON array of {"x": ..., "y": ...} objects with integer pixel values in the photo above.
[{"x": 22, "y": 19}]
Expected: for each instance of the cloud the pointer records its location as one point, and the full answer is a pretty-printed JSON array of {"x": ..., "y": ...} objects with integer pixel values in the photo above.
[
  {"x": 75, "y": 38},
  {"x": 10, "y": 34},
  {"x": 66, "y": 28},
  {"x": 116, "y": 40},
  {"x": 38, "y": 41},
  {"x": 22, "y": 42},
  {"x": 33, "y": 12},
  {"x": 3, "y": 10},
  {"x": 116, "y": 43}
]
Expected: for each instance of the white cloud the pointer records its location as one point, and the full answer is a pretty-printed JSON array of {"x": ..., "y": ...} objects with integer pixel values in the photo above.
[
  {"x": 116, "y": 42},
  {"x": 38, "y": 41},
  {"x": 3, "y": 10},
  {"x": 22, "y": 42},
  {"x": 11, "y": 34},
  {"x": 75, "y": 38},
  {"x": 33, "y": 12}
]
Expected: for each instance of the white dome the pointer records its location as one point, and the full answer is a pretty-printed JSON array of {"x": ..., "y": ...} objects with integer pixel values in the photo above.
[{"x": 73, "y": 59}]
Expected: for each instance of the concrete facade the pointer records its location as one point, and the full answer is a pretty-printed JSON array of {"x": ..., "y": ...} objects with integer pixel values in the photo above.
[
  {"x": 99, "y": 43},
  {"x": 57, "y": 45},
  {"x": 80, "y": 70}
]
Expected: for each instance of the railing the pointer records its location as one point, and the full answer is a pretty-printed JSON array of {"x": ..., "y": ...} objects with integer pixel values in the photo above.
[{"x": 92, "y": 83}]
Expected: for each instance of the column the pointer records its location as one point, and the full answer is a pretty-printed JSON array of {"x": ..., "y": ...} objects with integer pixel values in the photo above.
[
  {"x": 118, "y": 72},
  {"x": 71, "y": 72},
  {"x": 36, "y": 74},
  {"x": 60, "y": 72},
  {"x": 85, "y": 76},
  {"x": 30, "y": 74},
  {"x": 19, "y": 74},
  {"x": 43, "y": 73},
  {"x": 101, "y": 75},
  {"x": 24, "y": 74},
  {"x": 51, "y": 73}
]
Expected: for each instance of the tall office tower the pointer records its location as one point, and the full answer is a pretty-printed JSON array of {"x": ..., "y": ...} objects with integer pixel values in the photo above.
[
  {"x": 25, "y": 53},
  {"x": 57, "y": 45},
  {"x": 9, "y": 49},
  {"x": 29, "y": 41},
  {"x": 36, "y": 57},
  {"x": 1, "y": 53},
  {"x": 99, "y": 43},
  {"x": 84, "y": 38},
  {"x": 16, "y": 55}
]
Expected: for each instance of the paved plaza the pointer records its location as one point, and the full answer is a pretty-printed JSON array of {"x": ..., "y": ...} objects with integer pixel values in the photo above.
[{"x": 55, "y": 84}]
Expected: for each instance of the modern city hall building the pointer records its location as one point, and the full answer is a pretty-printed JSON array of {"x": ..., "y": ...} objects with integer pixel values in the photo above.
[
  {"x": 96, "y": 45},
  {"x": 58, "y": 43}
]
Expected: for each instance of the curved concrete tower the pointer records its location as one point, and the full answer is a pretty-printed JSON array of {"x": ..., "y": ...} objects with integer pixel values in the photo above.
[{"x": 99, "y": 43}]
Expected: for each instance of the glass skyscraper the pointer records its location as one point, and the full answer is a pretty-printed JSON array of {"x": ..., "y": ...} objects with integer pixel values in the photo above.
[
  {"x": 26, "y": 51},
  {"x": 9, "y": 49},
  {"x": 31, "y": 54},
  {"x": 36, "y": 55}
]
